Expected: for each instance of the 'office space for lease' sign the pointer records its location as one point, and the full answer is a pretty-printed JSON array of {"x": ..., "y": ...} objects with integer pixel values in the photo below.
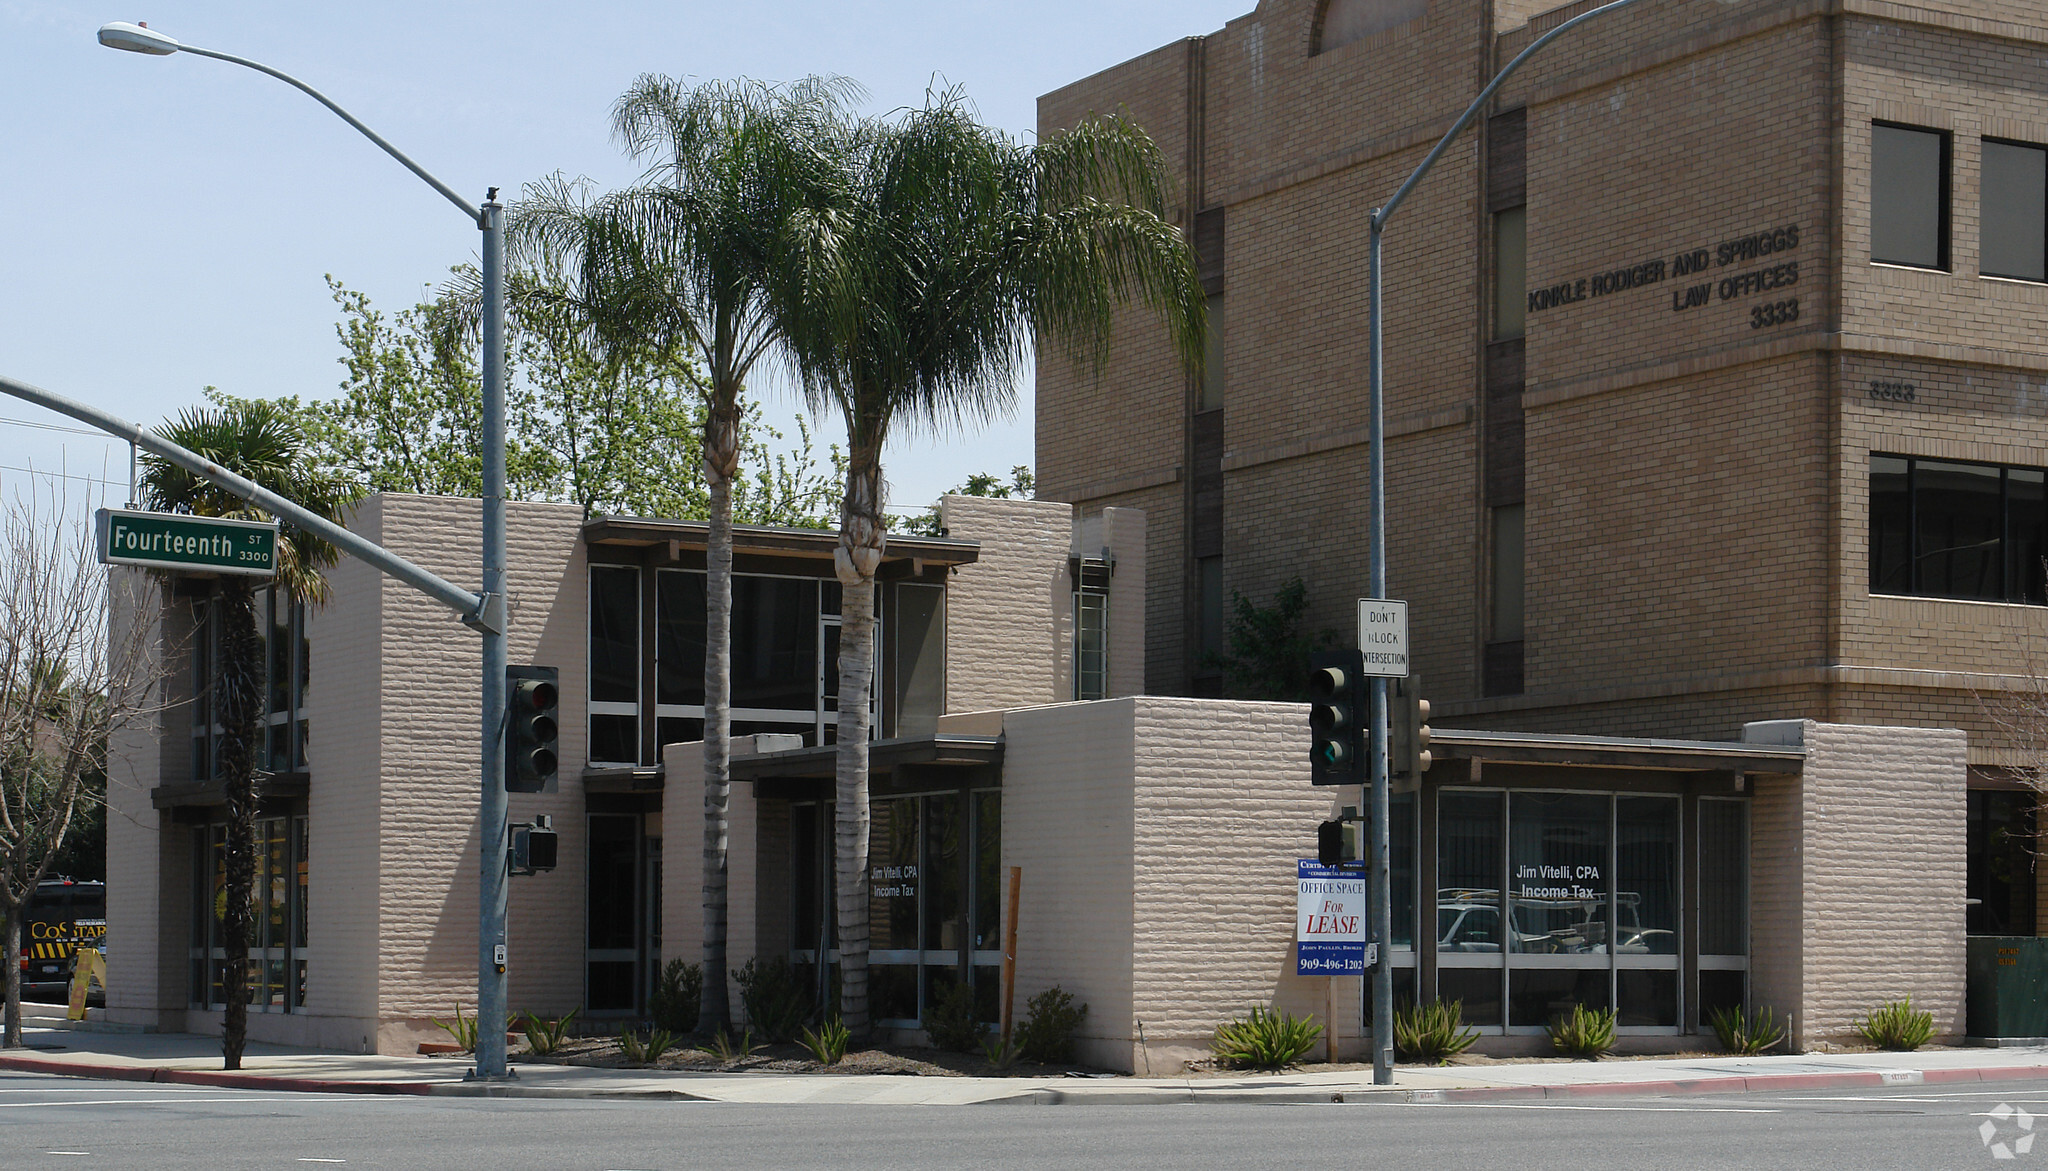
[{"x": 1329, "y": 922}]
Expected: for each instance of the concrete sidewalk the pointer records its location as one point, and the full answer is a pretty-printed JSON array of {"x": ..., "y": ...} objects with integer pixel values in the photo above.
[{"x": 194, "y": 1060}]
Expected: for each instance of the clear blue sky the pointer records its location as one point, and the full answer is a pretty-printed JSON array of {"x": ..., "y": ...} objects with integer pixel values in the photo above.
[{"x": 165, "y": 222}]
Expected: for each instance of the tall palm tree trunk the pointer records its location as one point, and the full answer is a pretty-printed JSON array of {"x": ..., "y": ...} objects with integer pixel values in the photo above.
[
  {"x": 861, "y": 540},
  {"x": 721, "y": 466},
  {"x": 241, "y": 658}
]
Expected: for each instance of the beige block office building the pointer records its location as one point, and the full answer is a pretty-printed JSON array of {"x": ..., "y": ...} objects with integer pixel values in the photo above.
[{"x": 1156, "y": 836}]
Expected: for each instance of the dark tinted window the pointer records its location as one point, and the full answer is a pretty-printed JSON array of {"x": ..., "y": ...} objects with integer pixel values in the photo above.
[
  {"x": 2013, "y": 214},
  {"x": 614, "y": 634},
  {"x": 1908, "y": 196},
  {"x": 1945, "y": 529}
]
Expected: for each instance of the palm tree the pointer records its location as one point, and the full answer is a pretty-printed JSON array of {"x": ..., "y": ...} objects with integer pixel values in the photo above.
[
  {"x": 960, "y": 245},
  {"x": 705, "y": 256},
  {"x": 256, "y": 440}
]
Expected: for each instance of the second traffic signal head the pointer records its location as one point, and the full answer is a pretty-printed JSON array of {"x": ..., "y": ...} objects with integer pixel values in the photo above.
[
  {"x": 530, "y": 729},
  {"x": 1337, "y": 717},
  {"x": 1407, "y": 732}
]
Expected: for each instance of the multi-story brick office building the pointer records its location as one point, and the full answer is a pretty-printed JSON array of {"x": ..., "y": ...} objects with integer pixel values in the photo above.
[{"x": 1714, "y": 363}]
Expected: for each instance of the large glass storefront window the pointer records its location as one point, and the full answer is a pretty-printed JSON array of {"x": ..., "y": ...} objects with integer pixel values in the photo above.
[
  {"x": 277, "y": 945},
  {"x": 1549, "y": 899},
  {"x": 934, "y": 899},
  {"x": 1724, "y": 906}
]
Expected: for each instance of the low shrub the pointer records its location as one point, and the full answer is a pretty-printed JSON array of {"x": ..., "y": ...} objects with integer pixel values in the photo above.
[
  {"x": 1050, "y": 1022},
  {"x": 544, "y": 1037},
  {"x": 678, "y": 996},
  {"x": 1432, "y": 1032},
  {"x": 776, "y": 1001},
  {"x": 728, "y": 1050},
  {"x": 1265, "y": 1040},
  {"x": 1582, "y": 1032},
  {"x": 999, "y": 1054},
  {"x": 1746, "y": 1034},
  {"x": 953, "y": 1023},
  {"x": 463, "y": 1030},
  {"x": 827, "y": 1042},
  {"x": 1896, "y": 1025},
  {"x": 648, "y": 1051}
]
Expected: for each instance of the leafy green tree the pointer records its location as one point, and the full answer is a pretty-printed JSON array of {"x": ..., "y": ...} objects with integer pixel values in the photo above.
[
  {"x": 260, "y": 442},
  {"x": 1269, "y": 650},
  {"x": 613, "y": 429},
  {"x": 710, "y": 256},
  {"x": 957, "y": 245}
]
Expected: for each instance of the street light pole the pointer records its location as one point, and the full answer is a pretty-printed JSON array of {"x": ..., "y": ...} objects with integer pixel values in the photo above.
[
  {"x": 1382, "y": 838},
  {"x": 489, "y": 217}
]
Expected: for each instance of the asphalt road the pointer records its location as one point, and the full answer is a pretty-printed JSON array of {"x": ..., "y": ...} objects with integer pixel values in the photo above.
[{"x": 60, "y": 1122}]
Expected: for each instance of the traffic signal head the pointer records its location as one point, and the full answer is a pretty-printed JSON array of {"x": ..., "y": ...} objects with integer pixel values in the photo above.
[
  {"x": 531, "y": 700},
  {"x": 1330, "y": 843},
  {"x": 533, "y": 849},
  {"x": 1408, "y": 733},
  {"x": 1336, "y": 718}
]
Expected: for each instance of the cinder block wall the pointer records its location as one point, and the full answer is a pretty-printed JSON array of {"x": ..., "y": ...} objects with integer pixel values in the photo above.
[
  {"x": 1223, "y": 808},
  {"x": 1009, "y": 615},
  {"x": 1067, "y": 822},
  {"x": 1158, "y": 839},
  {"x": 146, "y": 885},
  {"x": 1871, "y": 840},
  {"x": 415, "y": 809}
]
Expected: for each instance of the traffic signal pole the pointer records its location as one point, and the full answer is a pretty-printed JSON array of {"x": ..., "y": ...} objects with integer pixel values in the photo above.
[
  {"x": 1380, "y": 894},
  {"x": 1381, "y": 868}
]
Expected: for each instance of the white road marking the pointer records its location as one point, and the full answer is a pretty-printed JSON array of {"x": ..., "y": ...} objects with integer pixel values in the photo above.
[
  {"x": 87, "y": 1154},
  {"x": 311, "y": 1160},
  {"x": 1612, "y": 1109},
  {"x": 138, "y": 1102}
]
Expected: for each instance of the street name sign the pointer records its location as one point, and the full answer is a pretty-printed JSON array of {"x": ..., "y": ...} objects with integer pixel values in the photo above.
[
  {"x": 205, "y": 544},
  {"x": 1383, "y": 637}
]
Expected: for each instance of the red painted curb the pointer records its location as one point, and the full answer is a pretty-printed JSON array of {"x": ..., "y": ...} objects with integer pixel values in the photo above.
[{"x": 201, "y": 1077}]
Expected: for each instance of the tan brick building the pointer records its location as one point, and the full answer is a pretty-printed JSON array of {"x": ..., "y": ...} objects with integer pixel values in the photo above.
[
  {"x": 1591, "y": 325},
  {"x": 1715, "y": 291}
]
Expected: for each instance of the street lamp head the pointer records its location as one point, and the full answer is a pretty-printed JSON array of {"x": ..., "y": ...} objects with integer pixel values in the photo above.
[{"x": 137, "y": 38}]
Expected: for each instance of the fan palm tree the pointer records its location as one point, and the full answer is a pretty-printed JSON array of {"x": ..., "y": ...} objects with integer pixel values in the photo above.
[
  {"x": 961, "y": 245},
  {"x": 703, "y": 257},
  {"x": 255, "y": 440}
]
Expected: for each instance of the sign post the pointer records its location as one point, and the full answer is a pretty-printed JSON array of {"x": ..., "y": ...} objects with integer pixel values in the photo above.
[{"x": 176, "y": 541}]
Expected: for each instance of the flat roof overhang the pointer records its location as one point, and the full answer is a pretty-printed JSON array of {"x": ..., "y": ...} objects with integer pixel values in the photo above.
[
  {"x": 209, "y": 794},
  {"x": 904, "y": 557},
  {"x": 1615, "y": 752},
  {"x": 909, "y": 762}
]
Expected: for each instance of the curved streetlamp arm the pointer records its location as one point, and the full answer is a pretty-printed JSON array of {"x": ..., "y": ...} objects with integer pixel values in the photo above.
[
  {"x": 468, "y": 209},
  {"x": 1380, "y": 214},
  {"x": 464, "y": 602}
]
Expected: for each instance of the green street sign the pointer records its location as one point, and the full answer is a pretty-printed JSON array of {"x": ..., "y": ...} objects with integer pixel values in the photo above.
[{"x": 163, "y": 540}]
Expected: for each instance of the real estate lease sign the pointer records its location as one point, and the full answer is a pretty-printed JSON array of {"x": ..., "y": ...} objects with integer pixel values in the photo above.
[{"x": 1329, "y": 922}]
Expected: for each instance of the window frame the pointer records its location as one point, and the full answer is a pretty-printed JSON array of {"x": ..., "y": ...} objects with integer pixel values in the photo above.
[
  {"x": 2014, "y": 586},
  {"x": 1944, "y": 198},
  {"x": 2037, "y": 148}
]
